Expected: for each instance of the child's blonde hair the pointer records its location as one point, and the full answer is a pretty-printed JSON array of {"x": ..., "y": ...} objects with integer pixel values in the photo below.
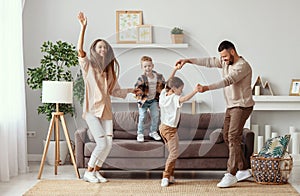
[{"x": 174, "y": 82}]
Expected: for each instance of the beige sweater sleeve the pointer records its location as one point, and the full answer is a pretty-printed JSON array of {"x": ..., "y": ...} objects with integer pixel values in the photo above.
[
  {"x": 118, "y": 92},
  {"x": 209, "y": 62},
  {"x": 236, "y": 73},
  {"x": 212, "y": 62}
]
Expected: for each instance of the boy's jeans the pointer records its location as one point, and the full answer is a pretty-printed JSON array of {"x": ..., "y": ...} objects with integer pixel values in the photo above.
[{"x": 152, "y": 105}]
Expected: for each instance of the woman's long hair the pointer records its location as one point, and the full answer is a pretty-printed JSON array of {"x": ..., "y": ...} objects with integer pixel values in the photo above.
[{"x": 108, "y": 64}]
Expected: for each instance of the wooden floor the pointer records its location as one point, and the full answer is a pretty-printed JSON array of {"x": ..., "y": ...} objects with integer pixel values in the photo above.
[{"x": 19, "y": 185}]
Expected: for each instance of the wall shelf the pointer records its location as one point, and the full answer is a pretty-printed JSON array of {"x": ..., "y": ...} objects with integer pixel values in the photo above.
[
  {"x": 284, "y": 103},
  {"x": 184, "y": 45}
]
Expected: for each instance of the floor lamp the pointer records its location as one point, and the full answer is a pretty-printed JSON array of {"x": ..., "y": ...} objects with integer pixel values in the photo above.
[{"x": 57, "y": 92}]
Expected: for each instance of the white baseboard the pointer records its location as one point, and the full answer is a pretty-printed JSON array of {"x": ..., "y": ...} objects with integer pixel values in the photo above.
[{"x": 34, "y": 157}]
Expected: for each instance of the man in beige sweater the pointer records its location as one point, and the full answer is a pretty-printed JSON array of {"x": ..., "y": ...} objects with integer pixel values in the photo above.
[{"x": 236, "y": 82}]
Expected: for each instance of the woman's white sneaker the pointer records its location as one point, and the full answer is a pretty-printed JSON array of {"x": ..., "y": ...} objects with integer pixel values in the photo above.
[
  {"x": 100, "y": 177},
  {"x": 90, "y": 177}
]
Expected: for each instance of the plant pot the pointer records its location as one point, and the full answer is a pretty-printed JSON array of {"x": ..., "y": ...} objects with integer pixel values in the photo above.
[
  {"x": 50, "y": 158},
  {"x": 177, "y": 38}
]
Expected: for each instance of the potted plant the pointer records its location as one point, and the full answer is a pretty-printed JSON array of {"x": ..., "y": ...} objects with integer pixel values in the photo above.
[
  {"x": 78, "y": 88},
  {"x": 177, "y": 35},
  {"x": 58, "y": 58},
  {"x": 55, "y": 66}
]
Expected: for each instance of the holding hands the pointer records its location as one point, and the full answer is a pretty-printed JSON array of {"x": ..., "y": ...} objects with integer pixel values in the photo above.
[
  {"x": 181, "y": 62},
  {"x": 201, "y": 89}
]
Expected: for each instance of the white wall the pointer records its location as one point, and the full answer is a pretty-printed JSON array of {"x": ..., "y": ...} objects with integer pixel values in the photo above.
[{"x": 266, "y": 33}]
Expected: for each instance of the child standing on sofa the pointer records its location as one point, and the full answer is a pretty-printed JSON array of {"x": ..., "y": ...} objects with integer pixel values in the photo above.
[
  {"x": 170, "y": 102},
  {"x": 100, "y": 80},
  {"x": 147, "y": 91}
]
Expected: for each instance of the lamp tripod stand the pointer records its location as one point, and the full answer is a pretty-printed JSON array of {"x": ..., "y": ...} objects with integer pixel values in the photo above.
[{"x": 54, "y": 123}]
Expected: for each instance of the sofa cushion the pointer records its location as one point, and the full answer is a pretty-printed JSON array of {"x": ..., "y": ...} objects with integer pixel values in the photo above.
[
  {"x": 202, "y": 148},
  {"x": 125, "y": 120},
  {"x": 186, "y": 133},
  {"x": 199, "y": 126},
  {"x": 130, "y": 148},
  {"x": 216, "y": 136},
  {"x": 121, "y": 134},
  {"x": 130, "y": 135},
  {"x": 118, "y": 134},
  {"x": 125, "y": 124},
  {"x": 203, "y": 120}
]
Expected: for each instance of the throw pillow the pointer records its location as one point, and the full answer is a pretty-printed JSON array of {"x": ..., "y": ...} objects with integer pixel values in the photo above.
[{"x": 275, "y": 147}]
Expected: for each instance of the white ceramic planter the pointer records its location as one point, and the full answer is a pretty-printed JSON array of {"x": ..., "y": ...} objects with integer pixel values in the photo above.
[{"x": 51, "y": 152}]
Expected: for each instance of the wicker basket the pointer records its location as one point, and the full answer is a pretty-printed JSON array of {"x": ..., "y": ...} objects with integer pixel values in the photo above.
[{"x": 271, "y": 170}]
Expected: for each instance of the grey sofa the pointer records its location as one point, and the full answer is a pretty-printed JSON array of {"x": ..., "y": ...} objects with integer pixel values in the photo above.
[{"x": 201, "y": 144}]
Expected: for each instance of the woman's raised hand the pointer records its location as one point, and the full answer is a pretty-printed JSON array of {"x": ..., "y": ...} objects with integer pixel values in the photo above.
[{"x": 82, "y": 19}]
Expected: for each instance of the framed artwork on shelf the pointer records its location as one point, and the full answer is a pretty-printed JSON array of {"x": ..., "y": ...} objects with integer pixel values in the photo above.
[
  {"x": 295, "y": 87},
  {"x": 261, "y": 88},
  {"x": 144, "y": 34},
  {"x": 126, "y": 26}
]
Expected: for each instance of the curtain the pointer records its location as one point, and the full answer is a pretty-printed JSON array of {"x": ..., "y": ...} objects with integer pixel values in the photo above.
[{"x": 13, "y": 139}]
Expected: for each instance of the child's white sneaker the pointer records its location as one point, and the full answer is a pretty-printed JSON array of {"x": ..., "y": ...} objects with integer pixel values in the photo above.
[
  {"x": 100, "y": 177},
  {"x": 155, "y": 136},
  {"x": 140, "y": 138},
  {"x": 164, "y": 182},
  {"x": 90, "y": 177}
]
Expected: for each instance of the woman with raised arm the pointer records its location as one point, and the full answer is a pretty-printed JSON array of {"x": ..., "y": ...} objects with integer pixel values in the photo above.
[{"x": 100, "y": 81}]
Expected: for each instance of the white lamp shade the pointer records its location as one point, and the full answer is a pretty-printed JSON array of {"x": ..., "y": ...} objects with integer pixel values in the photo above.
[{"x": 57, "y": 92}]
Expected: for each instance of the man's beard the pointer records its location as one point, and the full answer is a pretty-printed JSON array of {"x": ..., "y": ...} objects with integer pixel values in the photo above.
[{"x": 230, "y": 61}]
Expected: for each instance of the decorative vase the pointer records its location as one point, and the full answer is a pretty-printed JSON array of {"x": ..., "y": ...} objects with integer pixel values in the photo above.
[
  {"x": 50, "y": 158},
  {"x": 177, "y": 38}
]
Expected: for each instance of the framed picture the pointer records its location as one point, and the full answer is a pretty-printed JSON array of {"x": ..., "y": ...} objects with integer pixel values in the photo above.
[
  {"x": 144, "y": 34},
  {"x": 126, "y": 24},
  {"x": 295, "y": 87}
]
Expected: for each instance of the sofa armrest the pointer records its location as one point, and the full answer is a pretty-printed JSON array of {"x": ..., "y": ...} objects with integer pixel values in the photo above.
[
  {"x": 80, "y": 138},
  {"x": 248, "y": 140},
  {"x": 216, "y": 136}
]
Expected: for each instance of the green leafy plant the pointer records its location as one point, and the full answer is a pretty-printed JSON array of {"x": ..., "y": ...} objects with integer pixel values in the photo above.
[
  {"x": 55, "y": 65},
  {"x": 177, "y": 30},
  {"x": 78, "y": 88}
]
